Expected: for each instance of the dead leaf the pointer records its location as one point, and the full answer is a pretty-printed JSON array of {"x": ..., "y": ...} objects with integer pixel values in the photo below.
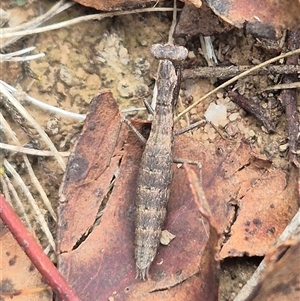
[
  {"x": 194, "y": 21},
  {"x": 91, "y": 170},
  {"x": 264, "y": 19},
  {"x": 110, "y": 5},
  {"x": 97, "y": 255},
  {"x": 281, "y": 281},
  {"x": 210, "y": 263},
  {"x": 19, "y": 279},
  {"x": 263, "y": 214}
]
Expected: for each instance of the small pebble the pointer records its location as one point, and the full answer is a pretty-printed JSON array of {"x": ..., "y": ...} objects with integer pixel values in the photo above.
[
  {"x": 251, "y": 133},
  {"x": 206, "y": 143},
  {"x": 232, "y": 129},
  {"x": 220, "y": 101},
  {"x": 53, "y": 126},
  {"x": 191, "y": 55},
  {"x": 166, "y": 237},
  {"x": 215, "y": 113},
  {"x": 125, "y": 89},
  {"x": 65, "y": 76},
  {"x": 183, "y": 123},
  {"x": 60, "y": 88},
  {"x": 283, "y": 147},
  {"x": 219, "y": 95},
  {"x": 234, "y": 116},
  {"x": 231, "y": 106},
  {"x": 259, "y": 140},
  {"x": 264, "y": 129},
  {"x": 223, "y": 122},
  {"x": 212, "y": 137}
]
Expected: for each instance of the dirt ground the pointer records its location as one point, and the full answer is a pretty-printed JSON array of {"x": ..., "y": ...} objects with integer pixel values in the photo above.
[{"x": 113, "y": 54}]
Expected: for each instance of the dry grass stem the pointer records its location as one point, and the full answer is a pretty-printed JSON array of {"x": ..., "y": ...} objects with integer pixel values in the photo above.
[
  {"x": 31, "y": 173},
  {"x": 44, "y": 106},
  {"x": 10, "y": 187},
  {"x": 37, "y": 211},
  {"x": 13, "y": 56},
  {"x": 37, "y": 127},
  {"x": 77, "y": 20},
  {"x": 295, "y": 85},
  {"x": 56, "y": 9},
  {"x": 30, "y": 151}
]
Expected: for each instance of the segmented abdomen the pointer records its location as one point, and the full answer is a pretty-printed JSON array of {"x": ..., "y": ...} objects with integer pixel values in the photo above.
[{"x": 154, "y": 180}]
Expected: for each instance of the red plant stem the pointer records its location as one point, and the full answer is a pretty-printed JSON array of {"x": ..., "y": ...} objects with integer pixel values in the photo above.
[{"x": 35, "y": 253}]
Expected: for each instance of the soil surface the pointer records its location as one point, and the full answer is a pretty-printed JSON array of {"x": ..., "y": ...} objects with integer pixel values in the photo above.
[{"x": 83, "y": 59}]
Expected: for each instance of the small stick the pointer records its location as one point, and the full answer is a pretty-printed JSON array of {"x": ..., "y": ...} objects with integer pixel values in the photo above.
[
  {"x": 254, "y": 108},
  {"x": 231, "y": 71}
]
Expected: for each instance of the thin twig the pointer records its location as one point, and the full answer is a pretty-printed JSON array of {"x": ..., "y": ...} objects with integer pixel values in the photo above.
[
  {"x": 172, "y": 27},
  {"x": 289, "y": 99},
  {"x": 254, "y": 108},
  {"x": 231, "y": 71},
  {"x": 59, "y": 111},
  {"x": 23, "y": 58},
  {"x": 295, "y": 85},
  {"x": 56, "y": 9}
]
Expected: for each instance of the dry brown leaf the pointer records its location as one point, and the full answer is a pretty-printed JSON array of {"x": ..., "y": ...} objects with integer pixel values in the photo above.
[
  {"x": 281, "y": 280},
  {"x": 19, "y": 279},
  {"x": 262, "y": 18},
  {"x": 109, "y": 5},
  {"x": 194, "y": 21},
  {"x": 264, "y": 211},
  {"x": 210, "y": 262},
  {"x": 98, "y": 259},
  {"x": 95, "y": 155}
]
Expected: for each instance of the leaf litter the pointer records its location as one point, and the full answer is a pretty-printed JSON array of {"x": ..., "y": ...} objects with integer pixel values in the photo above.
[
  {"x": 103, "y": 258},
  {"x": 234, "y": 208}
]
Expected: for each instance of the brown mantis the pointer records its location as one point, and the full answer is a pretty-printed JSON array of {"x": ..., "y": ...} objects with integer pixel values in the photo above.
[{"x": 155, "y": 171}]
